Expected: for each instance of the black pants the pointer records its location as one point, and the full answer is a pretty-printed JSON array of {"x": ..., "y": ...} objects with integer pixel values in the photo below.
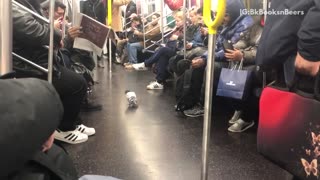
[
  {"x": 196, "y": 83},
  {"x": 72, "y": 89}
]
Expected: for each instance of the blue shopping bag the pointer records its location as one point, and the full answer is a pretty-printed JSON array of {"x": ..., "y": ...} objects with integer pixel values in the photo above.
[{"x": 234, "y": 83}]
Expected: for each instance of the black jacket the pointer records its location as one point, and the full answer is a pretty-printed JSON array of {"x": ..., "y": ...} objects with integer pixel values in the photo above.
[
  {"x": 94, "y": 9},
  {"x": 30, "y": 111},
  {"x": 31, "y": 34},
  {"x": 285, "y": 35}
]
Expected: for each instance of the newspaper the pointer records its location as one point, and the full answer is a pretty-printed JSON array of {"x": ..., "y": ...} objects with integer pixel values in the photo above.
[{"x": 94, "y": 36}]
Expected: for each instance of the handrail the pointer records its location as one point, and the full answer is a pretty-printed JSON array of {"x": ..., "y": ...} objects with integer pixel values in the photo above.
[
  {"x": 30, "y": 62},
  {"x": 6, "y": 37},
  {"x": 213, "y": 25},
  {"x": 212, "y": 30}
]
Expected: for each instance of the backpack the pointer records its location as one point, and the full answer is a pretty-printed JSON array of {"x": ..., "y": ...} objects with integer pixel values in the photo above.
[{"x": 183, "y": 91}]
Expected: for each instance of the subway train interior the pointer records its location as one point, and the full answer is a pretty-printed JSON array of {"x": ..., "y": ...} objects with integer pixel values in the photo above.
[{"x": 159, "y": 89}]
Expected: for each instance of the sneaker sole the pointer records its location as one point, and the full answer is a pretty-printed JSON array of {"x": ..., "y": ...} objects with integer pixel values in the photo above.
[
  {"x": 70, "y": 142},
  {"x": 193, "y": 116},
  {"x": 252, "y": 124}
]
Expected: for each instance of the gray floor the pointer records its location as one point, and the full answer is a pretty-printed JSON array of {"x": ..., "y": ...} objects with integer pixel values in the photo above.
[{"x": 154, "y": 142}]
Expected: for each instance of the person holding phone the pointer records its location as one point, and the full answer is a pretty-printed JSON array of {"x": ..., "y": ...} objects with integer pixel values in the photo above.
[{"x": 245, "y": 50}]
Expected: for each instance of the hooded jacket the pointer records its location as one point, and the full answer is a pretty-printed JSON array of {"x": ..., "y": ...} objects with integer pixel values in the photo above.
[
  {"x": 285, "y": 35},
  {"x": 238, "y": 24},
  {"x": 30, "y": 111}
]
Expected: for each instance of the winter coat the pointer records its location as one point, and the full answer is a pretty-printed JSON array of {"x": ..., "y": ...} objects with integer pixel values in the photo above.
[
  {"x": 116, "y": 14},
  {"x": 30, "y": 112},
  {"x": 31, "y": 34},
  {"x": 95, "y": 9},
  {"x": 285, "y": 35},
  {"x": 248, "y": 44},
  {"x": 238, "y": 25}
]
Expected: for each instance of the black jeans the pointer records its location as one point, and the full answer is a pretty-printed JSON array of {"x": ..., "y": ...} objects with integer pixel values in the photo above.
[{"x": 72, "y": 89}]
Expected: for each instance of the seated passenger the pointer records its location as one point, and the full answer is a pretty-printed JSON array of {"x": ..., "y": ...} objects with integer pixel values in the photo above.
[
  {"x": 131, "y": 36},
  {"x": 29, "y": 37},
  {"x": 163, "y": 54},
  {"x": 151, "y": 31},
  {"x": 246, "y": 50},
  {"x": 234, "y": 24},
  {"x": 195, "y": 45},
  {"x": 30, "y": 112}
]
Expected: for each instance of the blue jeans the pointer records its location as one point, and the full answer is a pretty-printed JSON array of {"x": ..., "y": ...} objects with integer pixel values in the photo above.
[
  {"x": 162, "y": 52},
  {"x": 133, "y": 50}
]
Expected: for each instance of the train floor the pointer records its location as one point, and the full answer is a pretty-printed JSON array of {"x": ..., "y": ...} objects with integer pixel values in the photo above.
[{"x": 153, "y": 142}]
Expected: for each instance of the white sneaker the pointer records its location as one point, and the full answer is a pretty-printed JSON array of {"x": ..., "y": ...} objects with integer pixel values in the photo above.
[
  {"x": 154, "y": 85},
  {"x": 140, "y": 67},
  {"x": 86, "y": 130},
  {"x": 71, "y": 137},
  {"x": 235, "y": 117},
  {"x": 240, "y": 126}
]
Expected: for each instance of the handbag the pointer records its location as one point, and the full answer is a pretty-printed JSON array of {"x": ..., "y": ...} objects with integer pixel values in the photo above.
[
  {"x": 234, "y": 83},
  {"x": 289, "y": 128}
]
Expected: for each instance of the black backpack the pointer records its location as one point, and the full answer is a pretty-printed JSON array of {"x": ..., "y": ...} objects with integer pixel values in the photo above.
[{"x": 183, "y": 93}]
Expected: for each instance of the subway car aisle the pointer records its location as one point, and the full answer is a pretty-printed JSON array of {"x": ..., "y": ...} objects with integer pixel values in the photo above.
[{"x": 153, "y": 142}]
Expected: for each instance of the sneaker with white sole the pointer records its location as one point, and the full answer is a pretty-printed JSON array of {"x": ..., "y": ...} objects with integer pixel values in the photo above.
[
  {"x": 86, "y": 130},
  {"x": 140, "y": 67},
  {"x": 240, "y": 126},
  {"x": 195, "y": 111},
  {"x": 235, "y": 117},
  {"x": 154, "y": 85},
  {"x": 71, "y": 137}
]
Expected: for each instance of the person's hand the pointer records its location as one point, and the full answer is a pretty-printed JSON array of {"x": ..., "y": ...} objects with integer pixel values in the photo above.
[
  {"x": 61, "y": 44},
  {"x": 204, "y": 31},
  {"x": 48, "y": 144},
  {"x": 75, "y": 31},
  {"x": 233, "y": 55},
  {"x": 189, "y": 46},
  {"x": 174, "y": 37},
  {"x": 136, "y": 32},
  {"x": 57, "y": 24},
  {"x": 197, "y": 62},
  {"x": 306, "y": 67}
]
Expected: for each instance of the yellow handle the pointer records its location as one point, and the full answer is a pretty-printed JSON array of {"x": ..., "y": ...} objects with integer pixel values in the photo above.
[
  {"x": 213, "y": 25},
  {"x": 109, "y": 12}
]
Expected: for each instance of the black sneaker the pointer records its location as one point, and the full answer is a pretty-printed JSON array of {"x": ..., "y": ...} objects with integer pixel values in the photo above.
[
  {"x": 196, "y": 111},
  {"x": 90, "y": 107}
]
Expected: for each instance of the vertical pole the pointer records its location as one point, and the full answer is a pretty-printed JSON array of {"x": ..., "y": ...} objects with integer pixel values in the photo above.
[
  {"x": 5, "y": 36},
  {"x": 109, "y": 24},
  {"x": 162, "y": 20},
  {"x": 50, "y": 61},
  {"x": 207, "y": 106},
  {"x": 212, "y": 30},
  {"x": 184, "y": 27}
]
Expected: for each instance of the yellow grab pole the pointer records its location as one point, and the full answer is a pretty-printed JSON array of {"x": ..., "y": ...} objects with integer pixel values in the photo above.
[
  {"x": 109, "y": 24},
  {"x": 212, "y": 30}
]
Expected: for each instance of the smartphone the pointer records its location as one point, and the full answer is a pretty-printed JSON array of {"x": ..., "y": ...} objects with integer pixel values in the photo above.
[{"x": 227, "y": 45}]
